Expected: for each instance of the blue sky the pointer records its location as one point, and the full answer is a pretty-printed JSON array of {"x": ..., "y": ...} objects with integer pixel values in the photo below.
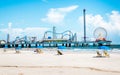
[{"x": 34, "y": 17}]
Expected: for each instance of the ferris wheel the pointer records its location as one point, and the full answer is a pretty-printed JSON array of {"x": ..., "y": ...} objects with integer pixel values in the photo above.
[{"x": 100, "y": 33}]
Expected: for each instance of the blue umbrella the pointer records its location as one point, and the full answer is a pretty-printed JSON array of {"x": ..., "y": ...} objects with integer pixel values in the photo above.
[
  {"x": 6, "y": 46},
  {"x": 61, "y": 47},
  {"x": 18, "y": 48},
  {"x": 104, "y": 47},
  {"x": 39, "y": 47}
]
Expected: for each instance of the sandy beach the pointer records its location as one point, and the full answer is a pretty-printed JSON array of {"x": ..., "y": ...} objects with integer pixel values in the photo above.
[{"x": 27, "y": 62}]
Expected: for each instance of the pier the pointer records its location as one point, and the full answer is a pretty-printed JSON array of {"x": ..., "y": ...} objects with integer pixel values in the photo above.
[
  {"x": 88, "y": 44},
  {"x": 52, "y": 41}
]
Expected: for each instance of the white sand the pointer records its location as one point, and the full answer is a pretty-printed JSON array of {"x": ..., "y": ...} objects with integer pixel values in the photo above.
[{"x": 48, "y": 63}]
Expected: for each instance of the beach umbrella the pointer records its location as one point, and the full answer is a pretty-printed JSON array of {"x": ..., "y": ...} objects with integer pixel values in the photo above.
[
  {"x": 18, "y": 48},
  {"x": 39, "y": 47},
  {"x": 104, "y": 47},
  {"x": 6, "y": 46},
  {"x": 61, "y": 47}
]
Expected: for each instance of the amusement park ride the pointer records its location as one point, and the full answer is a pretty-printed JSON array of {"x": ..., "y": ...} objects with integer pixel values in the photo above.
[
  {"x": 62, "y": 36},
  {"x": 25, "y": 39},
  {"x": 100, "y": 34},
  {"x": 55, "y": 39}
]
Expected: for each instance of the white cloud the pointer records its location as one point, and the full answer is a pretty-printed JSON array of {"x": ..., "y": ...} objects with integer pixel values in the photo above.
[
  {"x": 111, "y": 24},
  {"x": 57, "y": 15},
  {"x": 115, "y": 20},
  {"x": 9, "y": 24},
  {"x": 30, "y": 32}
]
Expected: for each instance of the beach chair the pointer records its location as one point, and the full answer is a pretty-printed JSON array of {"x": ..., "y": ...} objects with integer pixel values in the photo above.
[
  {"x": 4, "y": 50},
  {"x": 17, "y": 51},
  {"x": 98, "y": 54},
  {"x": 59, "y": 53},
  {"x": 105, "y": 53},
  {"x": 39, "y": 51}
]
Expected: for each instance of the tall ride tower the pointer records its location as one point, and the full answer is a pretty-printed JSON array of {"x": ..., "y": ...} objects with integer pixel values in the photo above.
[
  {"x": 84, "y": 25},
  {"x": 54, "y": 32},
  {"x": 8, "y": 38}
]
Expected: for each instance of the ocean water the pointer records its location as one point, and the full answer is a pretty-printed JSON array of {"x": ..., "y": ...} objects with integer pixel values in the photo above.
[
  {"x": 78, "y": 50},
  {"x": 69, "y": 50}
]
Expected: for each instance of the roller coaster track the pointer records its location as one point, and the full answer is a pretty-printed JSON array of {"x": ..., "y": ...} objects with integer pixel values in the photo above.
[{"x": 65, "y": 33}]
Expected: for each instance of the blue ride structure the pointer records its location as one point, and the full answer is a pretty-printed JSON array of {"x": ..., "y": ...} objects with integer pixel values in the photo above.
[{"x": 59, "y": 37}]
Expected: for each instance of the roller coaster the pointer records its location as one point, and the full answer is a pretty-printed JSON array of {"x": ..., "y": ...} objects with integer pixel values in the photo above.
[
  {"x": 64, "y": 36},
  {"x": 25, "y": 39}
]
